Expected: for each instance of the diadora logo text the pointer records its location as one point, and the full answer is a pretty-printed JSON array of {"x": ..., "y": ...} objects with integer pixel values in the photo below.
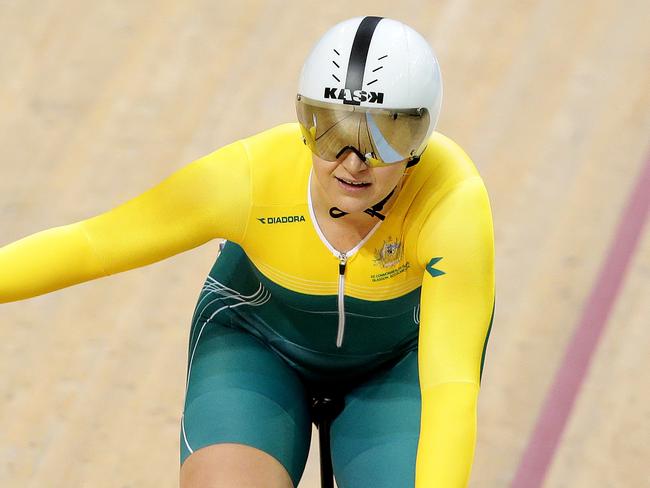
[
  {"x": 354, "y": 95},
  {"x": 289, "y": 219}
]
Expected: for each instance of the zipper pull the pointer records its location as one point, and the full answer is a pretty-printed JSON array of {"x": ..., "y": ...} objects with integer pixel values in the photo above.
[{"x": 343, "y": 259}]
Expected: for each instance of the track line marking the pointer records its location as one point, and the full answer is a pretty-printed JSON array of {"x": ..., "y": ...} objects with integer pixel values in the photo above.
[{"x": 559, "y": 401}]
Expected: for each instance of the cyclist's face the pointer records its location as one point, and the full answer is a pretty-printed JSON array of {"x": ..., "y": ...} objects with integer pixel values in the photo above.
[{"x": 337, "y": 181}]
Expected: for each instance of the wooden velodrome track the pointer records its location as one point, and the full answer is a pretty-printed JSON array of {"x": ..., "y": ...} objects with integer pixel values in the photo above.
[{"x": 101, "y": 100}]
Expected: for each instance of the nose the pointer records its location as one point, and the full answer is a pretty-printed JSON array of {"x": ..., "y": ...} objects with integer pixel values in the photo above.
[{"x": 352, "y": 162}]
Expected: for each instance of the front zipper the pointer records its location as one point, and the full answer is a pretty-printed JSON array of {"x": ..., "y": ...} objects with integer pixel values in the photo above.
[{"x": 343, "y": 259}]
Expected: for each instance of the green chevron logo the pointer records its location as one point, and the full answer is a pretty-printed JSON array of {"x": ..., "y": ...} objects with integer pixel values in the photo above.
[{"x": 432, "y": 271}]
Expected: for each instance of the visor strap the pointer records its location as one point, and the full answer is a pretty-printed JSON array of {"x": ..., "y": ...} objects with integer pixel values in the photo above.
[
  {"x": 373, "y": 211},
  {"x": 337, "y": 213},
  {"x": 412, "y": 162}
]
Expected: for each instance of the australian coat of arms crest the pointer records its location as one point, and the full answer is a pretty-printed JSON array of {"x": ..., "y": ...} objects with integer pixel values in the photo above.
[{"x": 390, "y": 253}]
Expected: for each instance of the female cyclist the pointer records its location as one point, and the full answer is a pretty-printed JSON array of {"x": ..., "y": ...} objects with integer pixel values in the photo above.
[{"x": 358, "y": 262}]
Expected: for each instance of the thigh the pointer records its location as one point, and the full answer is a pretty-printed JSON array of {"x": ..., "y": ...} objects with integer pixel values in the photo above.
[
  {"x": 374, "y": 439},
  {"x": 240, "y": 391}
]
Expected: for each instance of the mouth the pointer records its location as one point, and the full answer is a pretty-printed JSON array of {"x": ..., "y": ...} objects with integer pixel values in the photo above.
[{"x": 352, "y": 184}]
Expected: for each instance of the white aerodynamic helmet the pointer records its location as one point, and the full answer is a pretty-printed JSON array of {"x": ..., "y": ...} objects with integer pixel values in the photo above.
[{"x": 372, "y": 85}]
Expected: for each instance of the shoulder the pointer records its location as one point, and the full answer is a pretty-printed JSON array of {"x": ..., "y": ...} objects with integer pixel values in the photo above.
[
  {"x": 278, "y": 159},
  {"x": 444, "y": 160},
  {"x": 443, "y": 167},
  {"x": 280, "y": 141},
  {"x": 455, "y": 191},
  {"x": 455, "y": 210}
]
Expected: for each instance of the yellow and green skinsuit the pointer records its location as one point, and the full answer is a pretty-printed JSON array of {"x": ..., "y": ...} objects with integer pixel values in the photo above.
[{"x": 422, "y": 280}]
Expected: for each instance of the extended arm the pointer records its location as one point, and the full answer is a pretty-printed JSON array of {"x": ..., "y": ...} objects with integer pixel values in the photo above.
[
  {"x": 207, "y": 198},
  {"x": 456, "y": 311}
]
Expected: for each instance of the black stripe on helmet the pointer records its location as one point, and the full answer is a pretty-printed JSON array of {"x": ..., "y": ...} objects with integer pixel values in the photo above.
[{"x": 358, "y": 55}]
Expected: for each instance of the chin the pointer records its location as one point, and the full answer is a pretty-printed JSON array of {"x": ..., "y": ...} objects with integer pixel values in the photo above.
[{"x": 352, "y": 205}]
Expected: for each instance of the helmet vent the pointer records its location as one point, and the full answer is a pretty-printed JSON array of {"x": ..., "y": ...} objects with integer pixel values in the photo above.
[
  {"x": 337, "y": 65},
  {"x": 377, "y": 69}
]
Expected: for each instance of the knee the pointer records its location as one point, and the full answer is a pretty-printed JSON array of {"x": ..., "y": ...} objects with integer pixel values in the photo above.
[
  {"x": 385, "y": 465},
  {"x": 233, "y": 466}
]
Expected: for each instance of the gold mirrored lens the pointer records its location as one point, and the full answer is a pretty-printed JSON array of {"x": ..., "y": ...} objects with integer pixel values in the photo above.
[{"x": 382, "y": 136}]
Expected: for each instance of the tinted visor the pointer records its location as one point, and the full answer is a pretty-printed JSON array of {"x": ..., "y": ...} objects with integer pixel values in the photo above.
[{"x": 379, "y": 136}]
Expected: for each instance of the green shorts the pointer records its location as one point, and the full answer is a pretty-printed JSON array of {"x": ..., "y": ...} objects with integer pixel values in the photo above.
[{"x": 239, "y": 390}]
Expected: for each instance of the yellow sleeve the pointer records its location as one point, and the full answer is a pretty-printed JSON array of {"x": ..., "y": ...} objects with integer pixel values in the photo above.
[
  {"x": 207, "y": 198},
  {"x": 456, "y": 247}
]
